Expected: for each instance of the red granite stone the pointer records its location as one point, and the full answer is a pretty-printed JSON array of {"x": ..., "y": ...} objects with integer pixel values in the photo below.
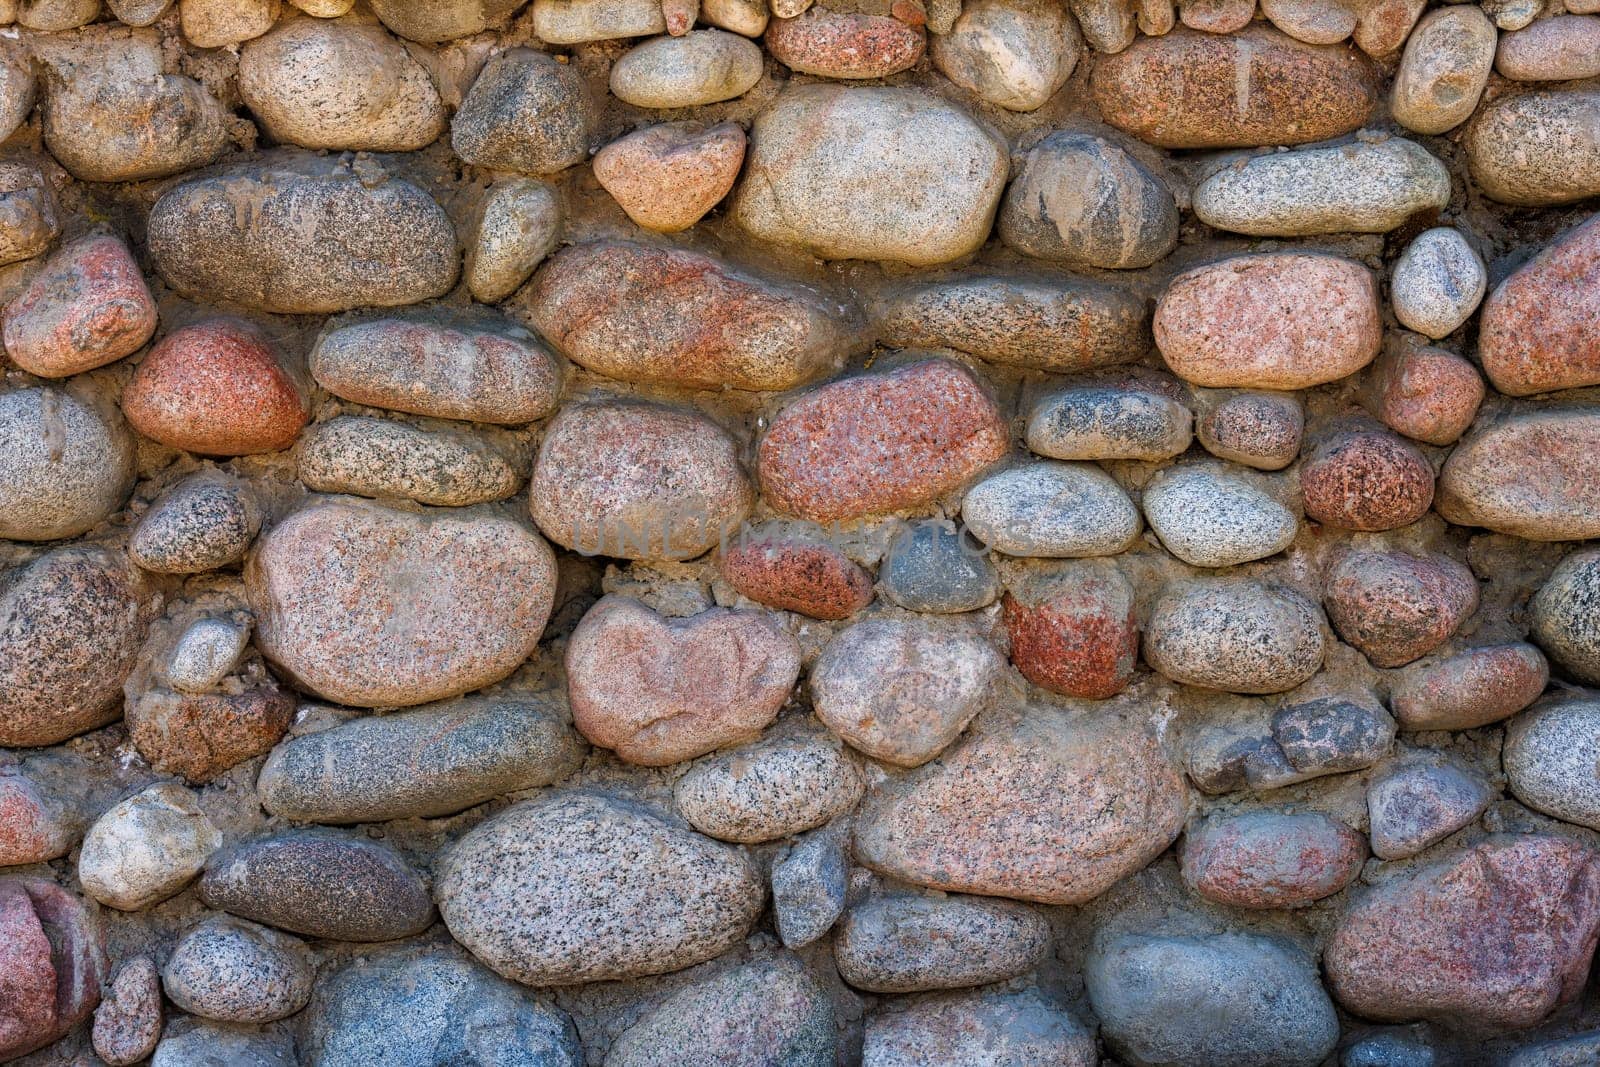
[
  {"x": 31, "y": 826},
  {"x": 1496, "y": 936},
  {"x": 1217, "y": 16},
  {"x": 880, "y": 442},
  {"x": 87, "y": 307},
  {"x": 1366, "y": 480},
  {"x": 1074, "y": 632},
  {"x": 1538, "y": 327},
  {"x": 794, "y": 568},
  {"x": 217, "y": 388},
  {"x": 51, "y": 964},
  {"x": 840, "y": 44},
  {"x": 1395, "y": 607},
  {"x": 1475, "y": 688},
  {"x": 1428, "y": 394},
  {"x": 1270, "y": 859}
]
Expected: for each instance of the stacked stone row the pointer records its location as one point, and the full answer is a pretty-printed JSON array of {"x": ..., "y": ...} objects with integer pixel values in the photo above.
[{"x": 653, "y": 532}]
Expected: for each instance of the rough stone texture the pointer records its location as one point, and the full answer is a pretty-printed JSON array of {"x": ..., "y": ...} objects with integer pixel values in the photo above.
[
  {"x": 324, "y": 586},
  {"x": 1237, "y": 635},
  {"x": 1444, "y": 69},
  {"x": 1471, "y": 689},
  {"x": 870, "y": 148},
  {"x": 772, "y": 789},
  {"x": 520, "y": 223},
  {"x": 432, "y": 23},
  {"x": 203, "y": 1044},
  {"x": 1427, "y": 394},
  {"x": 1073, "y": 630},
  {"x": 1438, "y": 281},
  {"x": 30, "y": 217},
  {"x": 320, "y": 884},
  {"x": 67, "y": 462},
  {"x": 844, "y": 45},
  {"x": 578, "y": 21},
  {"x": 52, "y": 963},
  {"x": 385, "y": 458},
  {"x": 526, "y": 112},
  {"x": 795, "y": 567},
  {"x": 127, "y": 1024},
  {"x": 1537, "y": 148},
  {"x": 1110, "y": 421},
  {"x": 1052, "y": 510},
  {"x": 1560, "y": 48},
  {"x": 37, "y": 823},
  {"x": 667, "y": 177},
  {"x": 1049, "y": 808},
  {"x": 1413, "y": 804},
  {"x": 238, "y": 972},
  {"x": 582, "y": 887},
  {"x": 1209, "y": 518},
  {"x": 1563, "y": 621},
  {"x": 1396, "y": 607},
  {"x": 1260, "y": 430},
  {"x": 994, "y": 1029},
  {"x": 147, "y": 848},
  {"x": 702, "y": 67},
  {"x": 901, "y": 691},
  {"x": 1525, "y": 475},
  {"x": 206, "y": 521},
  {"x": 676, "y": 317},
  {"x": 456, "y": 755},
  {"x": 1015, "y": 54},
  {"x": 934, "y": 566},
  {"x": 907, "y": 944},
  {"x": 1271, "y": 860},
  {"x": 1551, "y": 759},
  {"x": 1366, "y": 480},
  {"x": 808, "y": 888},
  {"x": 88, "y": 306},
  {"x": 1495, "y": 936},
  {"x": 1277, "y": 320},
  {"x": 1536, "y": 334}
]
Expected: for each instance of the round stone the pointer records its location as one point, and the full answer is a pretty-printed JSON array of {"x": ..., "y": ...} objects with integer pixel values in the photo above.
[
  {"x": 67, "y": 462},
  {"x": 1563, "y": 616},
  {"x": 238, "y": 972},
  {"x": 1536, "y": 332},
  {"x": 387, "y": 458},
  {"x": 1559, "y": 48},
  {"x": 88, "y": 306},
  {"x": 1438, "y": 281},
  {"x": 1551, "y": 759},
  {"x": 206, "y": 521},
  {"x": 147, "y": 848},
  {"x": 1208, "y": 518},
  {"x": 937, "y": 567},
  {"x": 519, "y": 224},
  {"x": 1428, "y": 394},
  {"x": 1414, "y": 804},
  {"x": 1015, "y": 54},
  {"x": 1366, "y": 480},
  {"x": 1237, "y": 635},
  {"x": 1444, "y": 69},
  {"x": 844, "y": 44},
  {"x": 526, "y": 112},
  {"x": 1052, "y": 510},
  {"x": 1395, "y": 607},
  {"x": 702, "y": 67},
  {"x": 1109, "y": 422},
  {"x": 127, "y": 1024},
  {"x": 1471, "y": 689},
  {"x": 1269, "y": 859},
  {"x": 796, "y": 567},
  {"x": 775, "y": 788},
  {"x": 978, "y": 1027},
  {"x": 1260, "y": 430},
  {"x": 666, "y": 177},
  {"x": 1525, "y": 475},
  {"x": 909, "y": 944},
  {"x": 1536, "y": 149}
]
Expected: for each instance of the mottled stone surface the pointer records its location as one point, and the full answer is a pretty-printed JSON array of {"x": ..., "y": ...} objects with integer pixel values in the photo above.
[
  {"x": 1238, "y": 635},
  {"x": 1109, "y": 422},
  {"x": 774, "y": 788},
  {"x": 702, "y": 67},
  {"x": 809, "y": 887},
  {"x": 1526, "y": 475},
  {"x": 996, "y": 1029},
  {"x": 1562, "y": 618},
  {"x": 1535, "y": 149},
  {"x": 1412, "y": 804},
  {"x": 1015, "y": 54},
  {"x": 934, "y": 566},
  {"x": 127, "y": 1024},
  {"x": 1560, "y": 48},
  {"x": 67, "y": 462},
  {"x": 1427, "y": 394},
  {"x": 1396, "y": 607},
  {"x": 52, "y": 963},
  {"x": 1055, "y": 510},
  {"x": 1269, "y": 859},
  {"x": 1210, "y": 518},
  {"x": 844, "y": 44},
  {"x": 906, "y": 944},
  {"x": 526, "y": 112},
  {"x": 203, "y": 522},
  {"x": 386, "y": 458},
  {"x": 1438, "y": 281},
  {"x": 1050, "y": 808},
  {"x": 796, "y": 567},
  {"x": 580, "y": 887},
  {"x": 667, "y": 177},
  {"x": 88, "y": 306},
  {"x": 520, "y": 223},
  {"x": 235, "y": 971},
  {"x": 1470, "y": 689},
  {"x": 36, "y": 822},
  {"x": 1260, "y": 430},
  {"x": 1552, "y": 759},
  {"x": 1362, "y": 479},
  {"x": 1073, "y": 630},
  {"x": 1537, "y": 334},
  {"x": 147, "y": 848}
]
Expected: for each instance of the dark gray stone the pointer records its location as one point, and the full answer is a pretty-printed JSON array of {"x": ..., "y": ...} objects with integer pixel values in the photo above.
[
  {"x": 935, "y": 567},
  {"x": 1387, "y": 1050},
  {"x": 1331, "y": 734},
  {"x": 1109, "y": 422},
  {"x": 527, "y": 113},
  {"x": 808, "y": 888},
  {"x": 907, "y": 944}
]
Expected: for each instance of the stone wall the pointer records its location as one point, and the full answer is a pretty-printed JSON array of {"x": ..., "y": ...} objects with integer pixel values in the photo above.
[{"x": 1003, "y": 533}]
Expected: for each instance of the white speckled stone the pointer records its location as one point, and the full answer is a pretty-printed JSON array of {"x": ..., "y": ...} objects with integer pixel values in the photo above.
[
  {"x": 147, "y": 848},
  {"x": 1438, "y": 282},
  {"x": 769, "y": 790},
  {"x": 1210, "y": 519},
  {"x": 1552, "y": 759},
  {"x": 1059, "y": 510},
  {"x": 1014, "y": 54},
  {"x": 236, "y": 971},
  {"x": 1237, "y": 635},
  {"x": 1444, "y": 69},
  {"x": 206, "y": 652}
]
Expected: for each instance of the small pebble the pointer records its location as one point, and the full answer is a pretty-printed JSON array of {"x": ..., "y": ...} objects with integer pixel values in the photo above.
[
  {"x": 519, "y": 225},
  {"x": 667, "y": 177},
  {"x": 127, "y": 1024},
  {"x": 808, "y": 888},
  {"x": 775, "y": 788}
]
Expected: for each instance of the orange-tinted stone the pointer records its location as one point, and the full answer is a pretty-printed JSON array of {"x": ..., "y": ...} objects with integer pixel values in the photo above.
[
  {"x": 1271, "y": 860},
  {"x": 87, "y": 307},
  {"x": 667, "y": 177},
  {"x": 835, "y": 44},
  {"x": 1428, "y": 394},
  {"x": 880, "y": 442},
  {"x": 217, "y": 388},
  {"x": 1538, "y": 329},
  {"x": 1366, "y": 480},
  {"x": 1475, "y": 688},
  {"x": 796, "y": 569},
  {"x": 1396, "y": 607},
  {"x": 1259, "y": 87},
  {"x": 1217, "y": 16},
  {"x": 200, "y": 735},
  {"x": 1074, "y": 631}
]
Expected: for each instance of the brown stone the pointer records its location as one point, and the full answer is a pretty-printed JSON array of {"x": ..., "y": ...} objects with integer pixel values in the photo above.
[
  {"x": 1074, "y": 631},
  {"x": 1561, "y": 48},
  {"x": 218, "y": 388},
  {"x": 1428, "y": 394},
  {"x": 880, "y": 442},
  {"x": 659, "y": 690},
  {"x": 1267, "y": 859},
  {"x": 1395, "y": 607},
  {"x": 1216, "y": 16},
  {"x": 1384, "y": 25},
  {"x": 1474, "y": 688},
  {"x": 843, "y": 44},
  {"x": 1537, "y": 333},
  {"x": 87, "y": 307},
  {"x": 667, "y": 316},
  {"x": 667, "y": 177},
  {"x": 1530, "y": 475},
  {"x": 1278, "y": 320},
  {"x": 1257, "y": 87},
  {"x": 794, "y": 567},
  {"x": 1366, "y": 480},
  {"x": 1049, "y": 806},
  {"x": 200, "y": 735},
  {"x": 1496, "y": 936},
  {"x": 1535, "y": 149}
]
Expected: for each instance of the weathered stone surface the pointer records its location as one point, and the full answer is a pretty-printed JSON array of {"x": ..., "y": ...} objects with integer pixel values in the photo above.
[
  {"x": 774, "y": 788},
  {"x": 1561, "y": 617},
  {"x": 666, "y": 177},
  {"x": 1362, "y": 479},
  {"x": 66, "y": 463},
  {"x": 1276, "y": 320},
  {"x": 219, "y": 23},
  {"x": 1109, "y": 422},
  {"x": 220, "y": 388},
  {"x": 30, "y": 217},
  {"x": 341, "y": 84},
  {"x": 1216, "y": 16},
  {"x": 52, "y": 964},
  {"x": 326, "y": 583},
  {"x": 1527, "y": 475},
  {"x": 658, "y": 690},
  {"x": 1560, "y": 48},
  {"x": 301, "y": 235},
  {"x": 677, "y": 317},
  {"x": 1332, "y": 734},
  {"x": 127, "y": 1024},
  {"x": 995, "y": 1029},
  {"x": 870, "y": 173},
  {"x": 581, "y": 887},
  {"x": 1365, "y": 187},
  {"x": 431, "y": 23},
  {"x": 147, "y": 848},
  {"x": 844, "y": 44},
  {"x": 238, "y": 972},
  {"x": 1051, "y": 807},
  {"x": 197, "y": 1043},
  {"x": 902, "y": 690},
  {"x": 71, "y": 624},
  {"x": 1240, "y": 999},
  {"x": 526, "y": 112},
  {"x": 796, "y": 567},
  {"x": 519, "y": 224},
  {"x": 1268, "y": 859},
  {"x": 203, "y": 522},
  {"x": 880, "y": 442},
  {"x": 1261, "y": 430},
  {"x": 1496, "y": 936},
  {"x": 1538, "y": 148},
  {"x": 934, "y": 566},
  {"x": 53, "y": 16},
  {"x": 1209, "y": 518},
  {"x": 18, "y": 89},
  {"x": 1552, "y": 758},
  {"x": 1382, "y": 27},
  {"x": 321, "y": 884},
  {"x": 412, "y": 1008},
  {"x": 1414, "y": 804},
  {"x": 746, "y": 17},
  {"x": 579, "y": 21},
  {"x": 770, "y": 1011},
  {"x": 637, "y": 481},
  {"x": 1052, "y": 510},
  {"x": 1396, "y": 607},
  {"x": 1471, "y": 689},
  {"x": 907, "y": 944},
  {"x": 1073, "y": 630},
  {"x": 809, "y": 886},
  {"x": 1258, "y": 87},
  {"x": 1537, "y": 331},
  {"x": 37, "y": 822},
  {"x": 477, "y": 369},
  {"x": 385, "y": 458},
  {"x": 1312, "y": 21},
  {"x": 1428, "y": 394},
  {"x": 208, "y": 650},
  {"x": 1015, "y": 54},
  {"x": 1239, "y": 635},
  {"x": 702, "y": 67},
  {"x": 1084, "y": 200},
  {"x": 456, "y": 755},
  {"x": 1438, "y": 280},
  {"x": 1444, "y": 69},
  {"x": 88, "y": 306}
]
